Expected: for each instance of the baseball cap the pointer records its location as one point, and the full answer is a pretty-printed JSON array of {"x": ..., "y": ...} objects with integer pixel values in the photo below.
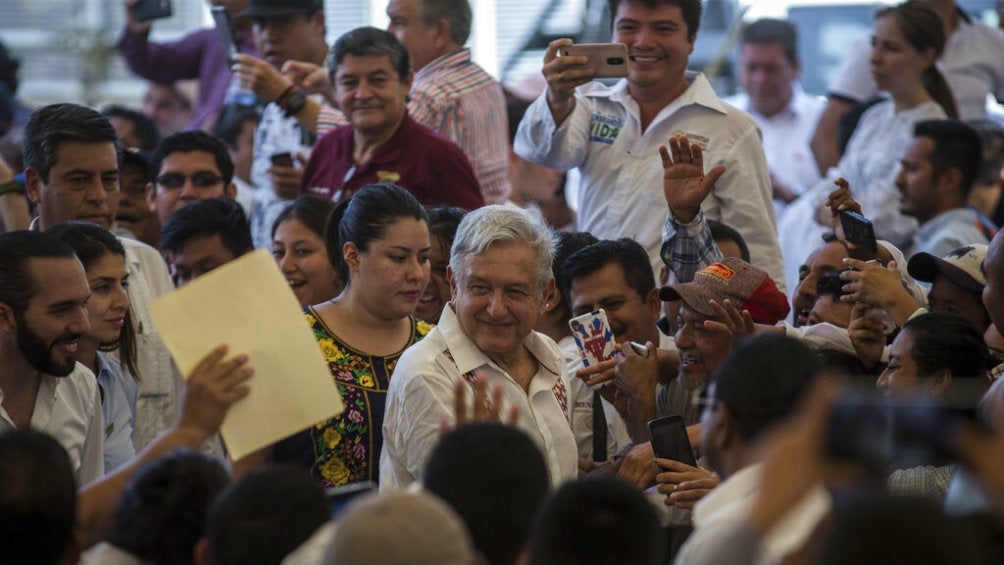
[
  {"x": 270, "y": 8},
  {"x": 731, "y": 278},
  {"x": 963, "y": 266}
]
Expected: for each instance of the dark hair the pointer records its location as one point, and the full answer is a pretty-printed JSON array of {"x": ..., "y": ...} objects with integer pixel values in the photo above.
[
  {"x": 311, "y": 211},
  {"x": 443, "y": 222},
  {"x": 144, "y": 127},
  {"x": 494, "y": 476},
  {"x": 91, "y": 242},
  {"x": 762, "y": 379},
  {"x": 457, "y": 13},
  {"x": 364, "y": 218},
  {"x": 209, "y": 216},
  {"x": 8, "y": 69},
  {"x": 516, "y": 108},
  {"x": 369, "y": 41},
  {"x": 829, "y": 284},
  {"x": 956, "y": 144},
  {"x": 38, "y": 501},
  {"x": 722, "y": 231},
  {"x": 923, "y": 29},
  {"x": 232, "y": 120},
  {"x": 162, "y": 512},
  {"x": 992, "y": 142},
  {"x": 597, "y": 521},
  {"x": 568, "y": 244},
  {"x": 942, "y": 340},
  {"x": 627, "y": 253},
  {"x": 51, "y": 125},
  {"x": 769, "y": 30},
  {"x": 263, "y": 517},
  {"x": 186, "y": 142},
  {"x": 691, "y": 10},
  {"x": 17, "y": 286}
]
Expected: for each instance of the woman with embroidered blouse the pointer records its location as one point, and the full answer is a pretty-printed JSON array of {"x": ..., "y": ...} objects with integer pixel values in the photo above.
[{"x": 379, "y": 243}]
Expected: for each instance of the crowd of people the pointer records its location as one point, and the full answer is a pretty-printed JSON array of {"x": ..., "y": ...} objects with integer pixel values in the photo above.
[{"x": 819, "y": 313}]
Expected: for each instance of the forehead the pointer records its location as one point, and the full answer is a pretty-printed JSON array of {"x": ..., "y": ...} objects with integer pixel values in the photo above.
[
  {"x": 886, "y": 27},
  {"x": 109, "y": 264},
  {"x": 639, "y": 12},
  {"x": 356, "y": 65},
  {"x": 181, "y": 161},
  {"x": 919, "y": 149},
  {"x": 504, "y": 263},
  {"x": 943, "y": 290},
  {"x": 769, "y": 52},
  {"x": 608, "y": 279},
  {"x": 57, "y": 279},
  {"x": 829, "y": 256},
  {"x": 403, "y": 7},
  {"x": 201, "y": 247},
  {"x": 693, "y": 316},
  {"x": 87, "y": 156}
]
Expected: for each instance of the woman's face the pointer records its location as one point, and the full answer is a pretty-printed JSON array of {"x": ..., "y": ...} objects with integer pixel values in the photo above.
[
  {"x": 389, "y": 277},
  {"x": 901, "y": 375},
  {"x": 895, "y": 64},
  {"x": 303, "y": 260},
  {"x": 437, "y": 292},
  {"x": 109, "y": 303}
]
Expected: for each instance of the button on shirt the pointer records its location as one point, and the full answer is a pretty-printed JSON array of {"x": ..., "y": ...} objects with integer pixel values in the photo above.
[
  {"x": 421, "y": 396},
  {"x": 621, "y": 189}
]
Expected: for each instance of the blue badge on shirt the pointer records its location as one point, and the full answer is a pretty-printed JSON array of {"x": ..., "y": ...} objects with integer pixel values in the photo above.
[{"x": 604, "y": 128}]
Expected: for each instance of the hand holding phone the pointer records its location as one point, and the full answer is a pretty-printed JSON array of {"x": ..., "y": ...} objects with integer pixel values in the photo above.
[
  {"x": 670, "y": 441},
  {"x": 146, "y": 10},
  {"x": 593, "y": 336},
  {"x": 282, "y": 159},
  {"x": 859, "y": 231},
  {"x": 608, "y": 60}
]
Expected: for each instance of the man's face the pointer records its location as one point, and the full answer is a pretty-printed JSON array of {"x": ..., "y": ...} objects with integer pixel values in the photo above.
[
  {"x": 406, "y": 24},
  {"x": 134, "y": 213},
  {"x": 289, "y": 38},
  {"x": 371, "y": 93},
  {"x": 946, "y": 296},
  {"x": 163, "y": 105},
  {"x": 198, "y": 256},
  {"x": 658, "y": 42},
  {"x": 830, "y": 310},
  {"x": 992, "y": 267},
  {"x": 83, "y": 184},
  {"x": 186, "y": 176},
  {"x": 126, "y": 130},
  {"x": 497, "y": 297},
  {"x": 701, "y": 350},
  {"x": 767, "y": 75},
  {"x": 48, "y": 331},
  {"x": 918, "y": 187},
  {"x": 825, "y": 259},
  {"x": 632, "y": 317}
]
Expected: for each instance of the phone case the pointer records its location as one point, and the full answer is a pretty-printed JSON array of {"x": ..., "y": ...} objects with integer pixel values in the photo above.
[
  {"x": 147, "y": 10},
  {"x": 610, "y": 60},
  {"x": 593, "y": 337},
  {"x": 859, "y": 231},
  {"x": 670, "y": 441},
  {"x": 225, "y": 30}
]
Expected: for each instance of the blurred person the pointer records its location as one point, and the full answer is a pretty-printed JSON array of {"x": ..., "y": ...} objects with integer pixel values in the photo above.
[
  {"x": 451, "y": 94},
  {"x": 443, "y": 222},
  {"x": 134, "y": 128},
  {"x": 196, "y": 55},
  {"x": 103, "y": 258},
  {"x": 203, "y": 236},
  {"x": 186, "y": 167},
  {"x": 986, "y": 194},
  {"x": 495, "y": 477},
  {"x": 531, "y": 184},
  {"x": 617, "y": 521},
  {"x": 236, "y": 129},
  {"x": 378, "y": 241},
  {"x": 500, "y": 274},
  {"x": 611, "y": 133},
  {"x": 382, "y": 142},
  {"x": 971, "y": 66},
  {"x": 9, "y": 81},
  {"x": 828, "y": 307},
  {"x": 769, "y": 67},
  {"x": 133, "y": 218},
  {"x": 299, "y": 248},
  {"x": 168, "y": 106}
]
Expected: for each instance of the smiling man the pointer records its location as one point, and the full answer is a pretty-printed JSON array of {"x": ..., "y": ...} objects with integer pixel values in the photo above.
[
  {"x": 382, "y": 143},
  {"x": 188, "y": 166},
  {"x": 612, "y": 134},
  {"x": 43, "y": 293}
]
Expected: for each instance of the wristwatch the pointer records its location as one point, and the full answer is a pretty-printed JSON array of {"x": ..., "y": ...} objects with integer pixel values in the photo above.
[
  {"x": 294, "y": 102},
  {"x": 11, "y": 186}
]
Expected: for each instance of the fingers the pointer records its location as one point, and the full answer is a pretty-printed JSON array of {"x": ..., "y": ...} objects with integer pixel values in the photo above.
[
  {"x": 552, "y": 49},
  {"x": 460, "y": 400},
  {"x": 673, "y": 466}
]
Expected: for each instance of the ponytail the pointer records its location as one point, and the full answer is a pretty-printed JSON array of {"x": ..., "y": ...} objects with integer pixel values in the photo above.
[{"x": 937, "y": 87}]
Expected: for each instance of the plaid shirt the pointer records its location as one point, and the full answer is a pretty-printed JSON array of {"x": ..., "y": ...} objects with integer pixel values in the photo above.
[{"x": 688, "y": 248}]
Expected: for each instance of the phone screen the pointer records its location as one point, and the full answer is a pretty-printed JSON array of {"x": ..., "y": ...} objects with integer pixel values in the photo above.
[{"x": 670, "y": 441}]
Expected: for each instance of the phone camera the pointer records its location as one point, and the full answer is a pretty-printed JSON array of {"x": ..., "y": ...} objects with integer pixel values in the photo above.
[{"x": 615, "y": 61}]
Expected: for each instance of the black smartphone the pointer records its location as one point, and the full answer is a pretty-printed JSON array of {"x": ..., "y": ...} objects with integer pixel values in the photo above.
[
  {"x": 226, "y": 31},
  {"x": 282, "y": 160},
  {"x": 670, "y": 441},
  {"x": 859, "y": 231},
  {"x": 340, "y": 497},
  {"x": 146, "y": 10}
]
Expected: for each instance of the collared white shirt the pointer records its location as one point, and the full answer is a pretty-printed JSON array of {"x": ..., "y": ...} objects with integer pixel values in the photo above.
[
  {"x": 421, "y": 396},
  {"x": 947, "y": 232},
  {"x": 621, "y": 189},
  {"x": 69, "y": 409}
]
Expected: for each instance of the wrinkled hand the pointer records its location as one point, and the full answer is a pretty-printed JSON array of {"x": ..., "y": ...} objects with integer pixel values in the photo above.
[
  {"x": 837, "y": 201},
  {"x": 286, "y": 181},
  {"x": 636, "y": 376},
  {"x": 133, "y": 25},
  {"x": 564, "y": 74},
  {"x": 873, "y": 284},
  {"x": 310, "y": 78},
  {"x": 867, "y": 335},
  {"x": 259, "y": 76},
  {"x": 484, "y": 410},
  {"x": 638, "y": 466},
  {"x": 737, "y": 324},
  {"x": 212, "y": 387},
  {"x": 682, "y": 484},
  {"x": 684, "y": 183},
  {"x": 587, "y": 466}
]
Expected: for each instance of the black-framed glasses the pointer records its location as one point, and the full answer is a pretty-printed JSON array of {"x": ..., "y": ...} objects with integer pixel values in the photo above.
[{"x": 201, "y": 179}]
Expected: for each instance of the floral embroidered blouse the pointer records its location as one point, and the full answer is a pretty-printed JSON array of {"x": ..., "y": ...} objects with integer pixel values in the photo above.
[{"x": 346, "y": 449}]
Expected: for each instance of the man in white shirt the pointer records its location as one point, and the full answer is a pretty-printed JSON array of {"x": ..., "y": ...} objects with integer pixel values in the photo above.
[
  {"x": 768, "y": 69},
  {"x": 612, "y": 134},
  {"x": 500, "y": 272},
  {"x": 43, "y": 293}
]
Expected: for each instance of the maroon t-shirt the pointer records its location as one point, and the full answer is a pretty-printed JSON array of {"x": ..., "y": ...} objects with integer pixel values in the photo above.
[{"x": 416, "y": 158}]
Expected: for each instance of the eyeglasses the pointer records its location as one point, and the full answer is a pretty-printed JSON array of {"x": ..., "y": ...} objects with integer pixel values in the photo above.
[{"x": 202, "y": 179}]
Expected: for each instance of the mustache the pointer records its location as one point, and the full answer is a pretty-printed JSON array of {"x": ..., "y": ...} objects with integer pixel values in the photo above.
[{"x": 66, "y": 337}]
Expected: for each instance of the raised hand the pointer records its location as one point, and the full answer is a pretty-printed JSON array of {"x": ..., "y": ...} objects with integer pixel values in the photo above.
[{"x": 684, "y": 182}]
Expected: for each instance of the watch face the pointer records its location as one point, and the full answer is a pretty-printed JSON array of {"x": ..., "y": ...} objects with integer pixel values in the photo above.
[{"x": 294, "y": 103}]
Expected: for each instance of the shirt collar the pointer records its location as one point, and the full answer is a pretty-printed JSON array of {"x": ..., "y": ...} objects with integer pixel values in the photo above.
[
  {"x": 456, "y": 58},
  {"x": 468, "y": 357}
]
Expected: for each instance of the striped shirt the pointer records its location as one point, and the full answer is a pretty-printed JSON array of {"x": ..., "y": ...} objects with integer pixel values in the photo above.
[{"x": 456, "y": 98}]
